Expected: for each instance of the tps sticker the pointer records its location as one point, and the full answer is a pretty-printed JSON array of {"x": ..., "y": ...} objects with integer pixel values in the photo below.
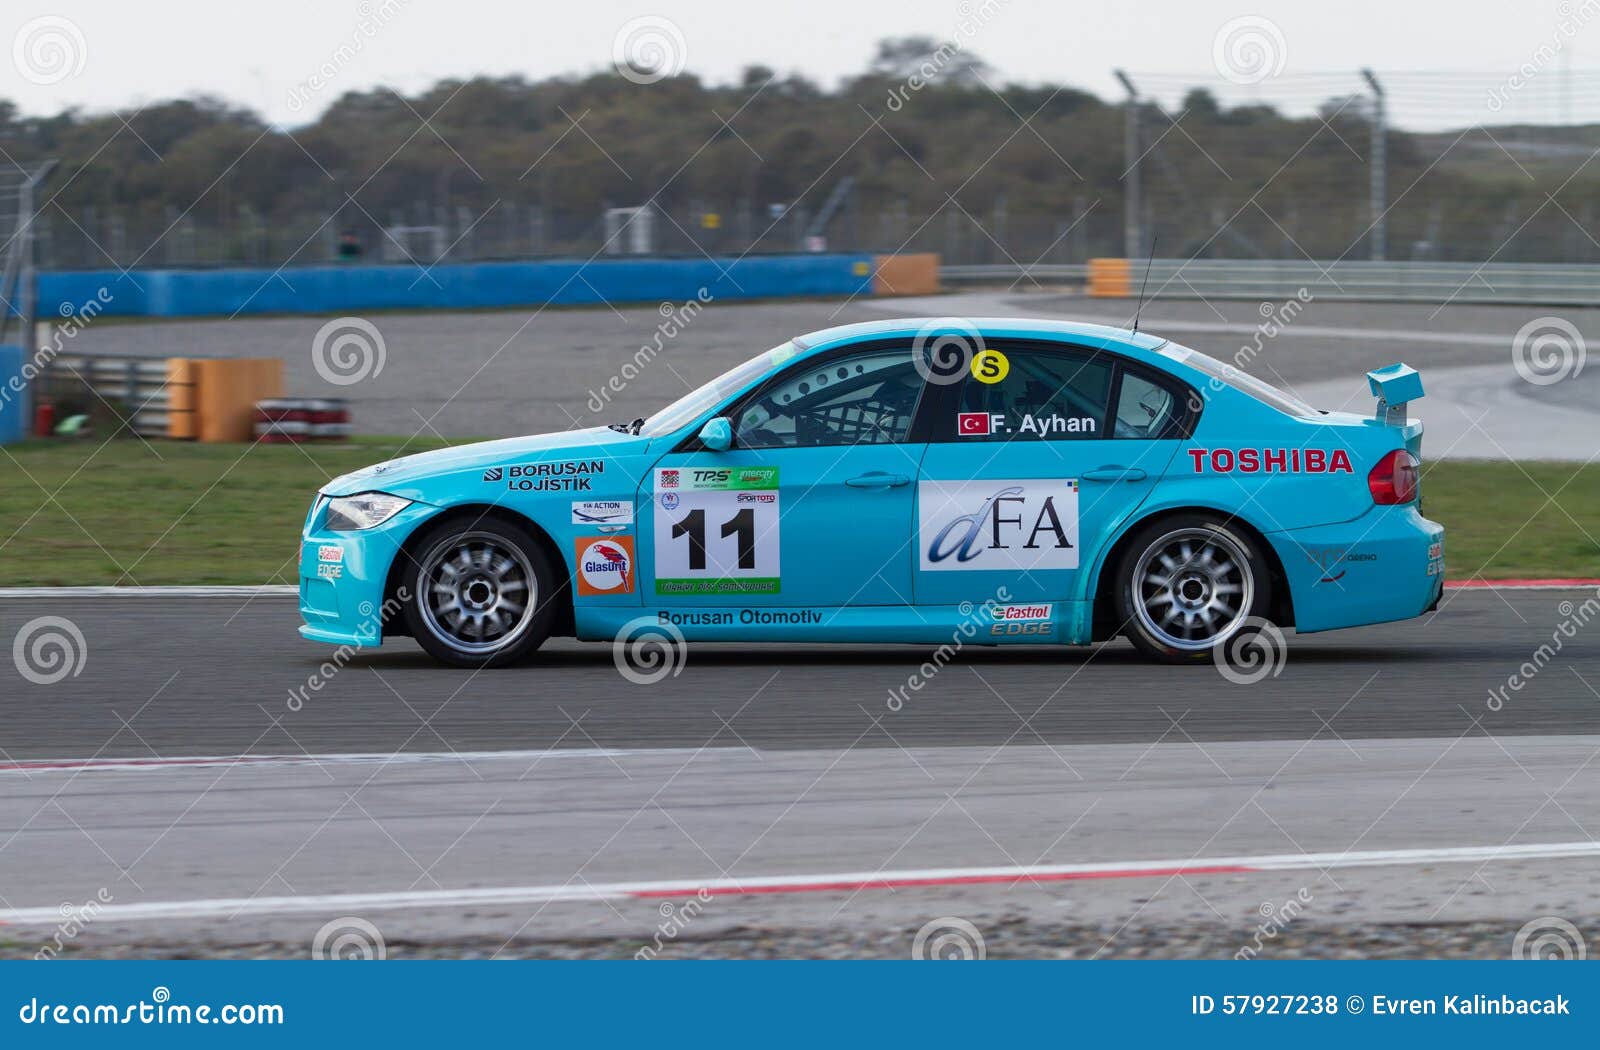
[
  {"x": 983, "y": 424},
  {"x": 605, "y": 565},
  {"x": 1271, "y": 461},
  {"x": 990, "y": 366},
  {"x": 1026, "y": 524},
  {"x": 602, "y": 512},
  {"x": 716, "y": 531}
]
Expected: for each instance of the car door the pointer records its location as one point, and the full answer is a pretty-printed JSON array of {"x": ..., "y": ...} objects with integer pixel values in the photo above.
[
  {"x": 811, "y": 506},
  {"x": 1043, "y": 450}
]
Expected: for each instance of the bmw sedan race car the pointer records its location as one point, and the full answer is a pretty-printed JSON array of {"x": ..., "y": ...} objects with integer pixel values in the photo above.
[{"x": 1013, "y": 482}]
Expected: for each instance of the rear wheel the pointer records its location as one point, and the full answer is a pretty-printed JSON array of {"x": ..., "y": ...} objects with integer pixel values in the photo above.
[
  {"x": 1188, "y": 584},
  {"x": 482, "y": 593}
]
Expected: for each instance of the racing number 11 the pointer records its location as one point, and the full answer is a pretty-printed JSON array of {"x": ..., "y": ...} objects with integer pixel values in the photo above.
[{"x": 742, "y": 524}]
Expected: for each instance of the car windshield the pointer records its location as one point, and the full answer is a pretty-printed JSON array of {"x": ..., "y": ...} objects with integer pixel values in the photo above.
[
  {"x": 696, "y": 403},
  {"x": 1222, "y": 372}
]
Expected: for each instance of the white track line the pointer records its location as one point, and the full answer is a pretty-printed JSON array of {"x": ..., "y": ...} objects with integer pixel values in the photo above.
[
  {"x": 357, "y": 903},
  {"x": 178, "y": 764}
]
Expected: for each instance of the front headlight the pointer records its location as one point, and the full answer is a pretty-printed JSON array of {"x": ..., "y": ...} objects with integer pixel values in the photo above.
[{"x": 363, "y": 511}]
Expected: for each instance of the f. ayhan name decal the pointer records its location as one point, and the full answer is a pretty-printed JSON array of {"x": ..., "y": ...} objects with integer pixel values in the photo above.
[{"x": 1027, "y": 524}]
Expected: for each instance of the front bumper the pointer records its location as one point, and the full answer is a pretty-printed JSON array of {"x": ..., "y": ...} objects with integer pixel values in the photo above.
[
  {"x": 343, "y": 577},
  {"x": 1386, "y": 565}
]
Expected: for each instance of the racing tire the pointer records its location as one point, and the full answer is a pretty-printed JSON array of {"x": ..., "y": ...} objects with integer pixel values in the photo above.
[
  {"x": 1189, "y": 584},
  {"x": 479, "y": 592}
]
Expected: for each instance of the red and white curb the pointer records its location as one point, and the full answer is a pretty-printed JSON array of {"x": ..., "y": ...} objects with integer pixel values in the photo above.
[
  {"x": 845, "y": 882},
  {"x": 1557, "y": 584}
]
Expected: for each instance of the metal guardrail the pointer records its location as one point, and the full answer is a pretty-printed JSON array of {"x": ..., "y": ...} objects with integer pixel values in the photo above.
[
  {"x": 1278, "y": 279},
  {"x": 1009, "y": 273},
  {"x": 136, "y": 388}
]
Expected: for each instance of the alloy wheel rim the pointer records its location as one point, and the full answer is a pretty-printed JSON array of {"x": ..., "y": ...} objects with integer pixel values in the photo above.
[
  {"x": 476, "y": 592},
  {"x": 1193, "y": 588}
]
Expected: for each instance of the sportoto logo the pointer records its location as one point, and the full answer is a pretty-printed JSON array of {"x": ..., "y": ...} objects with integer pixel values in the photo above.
[
  {"x": 347, "y": 350},
  {"x": 943, "y": 349},
  {"x": 647, "y": 651},
  {"x": 48, "y": 50},
  {"x": 349, "y": 938},
  {"x": 1547, "y": 350},
  {"x": 1249, "y": 49},
  {"x": 949, "y": 939},
  {"x": 49, "y": 649},
  {"x": 1253, "y": 653},
  {"x": 1549, "y": 938},
  {"x": 649, "y": 49}
]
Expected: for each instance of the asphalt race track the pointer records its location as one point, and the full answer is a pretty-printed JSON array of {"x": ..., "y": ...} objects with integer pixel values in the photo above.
[
  {"x": 561, "y": 777},
  {"x": 217, "y": 676}
]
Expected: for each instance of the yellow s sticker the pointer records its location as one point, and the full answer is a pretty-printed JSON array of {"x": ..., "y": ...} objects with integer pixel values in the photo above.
[{"x": 990, "y": 366}]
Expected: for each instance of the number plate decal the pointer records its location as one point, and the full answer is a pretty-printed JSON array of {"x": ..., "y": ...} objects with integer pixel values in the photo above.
[{"x": 716, "y": 530}]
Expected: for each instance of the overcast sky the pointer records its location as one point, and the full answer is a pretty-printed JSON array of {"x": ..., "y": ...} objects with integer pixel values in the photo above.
[{"x": 290, "y": 58}]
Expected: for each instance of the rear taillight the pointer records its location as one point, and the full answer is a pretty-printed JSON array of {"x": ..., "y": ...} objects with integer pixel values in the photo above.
[{"x": 1394, "y": 479}]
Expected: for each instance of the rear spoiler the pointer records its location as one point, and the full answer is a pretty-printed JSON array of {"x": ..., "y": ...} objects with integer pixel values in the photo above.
[{"x": 1394, "y": 386}]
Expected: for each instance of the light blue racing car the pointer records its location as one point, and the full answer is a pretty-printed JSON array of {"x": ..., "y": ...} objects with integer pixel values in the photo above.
[{"x": 1002, "y": 481}]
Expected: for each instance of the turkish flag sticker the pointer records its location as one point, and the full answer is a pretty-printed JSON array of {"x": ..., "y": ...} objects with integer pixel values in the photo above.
[{"x": 972, "y": 424}]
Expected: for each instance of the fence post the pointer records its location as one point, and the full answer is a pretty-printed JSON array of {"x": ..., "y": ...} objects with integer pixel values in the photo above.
[
  {"x": 1132, "y": 234},
  {"x": 1379, "y": 162}
]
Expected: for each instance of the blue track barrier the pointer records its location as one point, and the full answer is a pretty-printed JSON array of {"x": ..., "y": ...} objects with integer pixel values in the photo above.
[
  {"x": 14, "y": 413},
  {"x": 341, "y": 289}
]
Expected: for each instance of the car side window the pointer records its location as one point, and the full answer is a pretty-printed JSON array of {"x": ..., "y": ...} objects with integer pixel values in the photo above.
[
  {"x": 864, "y": 399},
  {"x": 1039, "y": 395},
  {"x": 1144, "y": 409}
]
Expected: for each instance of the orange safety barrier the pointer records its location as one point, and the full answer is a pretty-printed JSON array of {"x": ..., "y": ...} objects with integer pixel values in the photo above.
[
  {"x": 218, "y": 396},
  {"x": 1111, "y": 278},
  {"x": 912, "y": 274}
]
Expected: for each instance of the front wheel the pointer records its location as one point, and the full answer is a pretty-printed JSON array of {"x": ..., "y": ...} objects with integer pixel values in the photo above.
[
  {"x": 1189, "y": 583},
  {"x": 482, "y": 593}
]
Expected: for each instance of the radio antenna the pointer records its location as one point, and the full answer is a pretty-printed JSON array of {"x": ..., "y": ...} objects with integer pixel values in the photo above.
[{"x": 1144, "y": 283}]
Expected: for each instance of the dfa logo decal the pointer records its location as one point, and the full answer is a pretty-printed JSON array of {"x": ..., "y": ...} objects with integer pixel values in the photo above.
[
  {"x": 1023, "y": 524},
  {"x": 605, "y": 565}
]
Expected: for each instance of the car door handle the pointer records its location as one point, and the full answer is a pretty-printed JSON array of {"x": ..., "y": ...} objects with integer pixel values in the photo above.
[
  {"x": 877, "y": 479},
  {"x": 1115, "y": 474}
]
